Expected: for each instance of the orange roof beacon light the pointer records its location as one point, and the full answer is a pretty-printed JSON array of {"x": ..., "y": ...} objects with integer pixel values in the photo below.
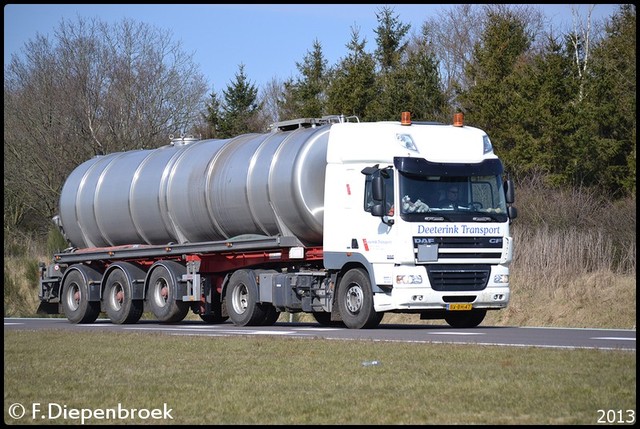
[
  {"x": 405, "y": 118},
  {"x": 458, "y": 119}
]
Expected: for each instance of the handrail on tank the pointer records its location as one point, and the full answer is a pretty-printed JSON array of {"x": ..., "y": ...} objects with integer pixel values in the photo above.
[
  {"x": 292, "y": 124},
  {"x": 334, "y": 119},
  {"x": 182, "y": 140}
]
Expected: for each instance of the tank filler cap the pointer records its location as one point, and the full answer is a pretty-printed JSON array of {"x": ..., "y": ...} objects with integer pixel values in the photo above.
[{"x": 182, "y": 140}]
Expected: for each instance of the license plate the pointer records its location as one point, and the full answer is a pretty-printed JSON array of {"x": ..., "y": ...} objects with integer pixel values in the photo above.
[{"x": 459, "y": 307}]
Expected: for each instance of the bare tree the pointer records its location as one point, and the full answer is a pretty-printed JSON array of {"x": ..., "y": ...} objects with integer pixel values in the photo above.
[
  {"x": 271, "y": 97},
  {"x": 580, "y": 40},
  {"x": 95, "y": 88},
  {"x": 452, "y": 34}
]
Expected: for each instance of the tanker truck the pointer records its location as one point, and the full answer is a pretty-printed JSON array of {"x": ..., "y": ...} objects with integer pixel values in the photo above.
[{"x": 343, "y": 219}]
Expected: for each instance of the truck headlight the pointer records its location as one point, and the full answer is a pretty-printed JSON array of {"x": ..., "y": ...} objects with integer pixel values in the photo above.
[
  {"x": 408, "y": 279},
  {"x": 501, "y": 278}
]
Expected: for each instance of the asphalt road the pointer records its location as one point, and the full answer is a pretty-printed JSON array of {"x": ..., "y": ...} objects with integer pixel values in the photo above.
[{"x": 565, "y": 338}]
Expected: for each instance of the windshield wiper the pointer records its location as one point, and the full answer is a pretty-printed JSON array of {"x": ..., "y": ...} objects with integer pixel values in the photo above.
[
  {"x": 485, "y": 218},
  {"x": 436, "y": 219}
]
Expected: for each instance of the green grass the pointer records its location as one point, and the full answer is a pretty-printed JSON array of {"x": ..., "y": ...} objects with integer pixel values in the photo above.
[{"x": 271, "y": 380}]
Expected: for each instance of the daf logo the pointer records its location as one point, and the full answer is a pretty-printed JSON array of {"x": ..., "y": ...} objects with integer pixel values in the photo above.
[{"x": 423, "y": 240}]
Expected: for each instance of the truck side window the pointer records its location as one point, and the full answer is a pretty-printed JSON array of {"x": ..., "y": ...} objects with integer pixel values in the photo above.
[
  {"x": 368, "y": 195},
  {"x": 387, "y": 176},
  {"x": 388, "y": 185}
]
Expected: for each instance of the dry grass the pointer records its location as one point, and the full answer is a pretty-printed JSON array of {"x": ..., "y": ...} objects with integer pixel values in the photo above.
[{"x": 597, "y": 300}]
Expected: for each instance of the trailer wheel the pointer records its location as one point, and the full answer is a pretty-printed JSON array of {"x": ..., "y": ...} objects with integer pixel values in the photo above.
[
  {"x": 117, "y": 298},
  {"x": 161, "y": 296},
  {"x": 465, "y": 319},
  {"x": 216, "y": 314},
  {"x": 242, "y": 300},
  {"x": 75, "y": 300},
  {"x": 355, "y": 300}
]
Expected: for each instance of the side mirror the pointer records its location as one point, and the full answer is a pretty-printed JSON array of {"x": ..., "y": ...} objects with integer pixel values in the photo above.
[
  {"x": 377, "y": 188},
  {"x": 509, "y": 191},
  {"x": 377, "y": 210}
]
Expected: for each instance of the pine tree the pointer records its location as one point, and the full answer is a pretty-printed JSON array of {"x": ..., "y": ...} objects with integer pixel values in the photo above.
[
  {"x": 305, "y": 97},
  {"x": 424, "y": 96},
  {"x": 353, "y": 80},
  {"x": 542, "y": 114},
  {"x": 489, "y": 101},
  {"x": 389, "y": 38},
  {"x": 390, "y": 53},
  {"x": 612, "y": 99},
  {"x": 212, "y": 117},
  {"x": 239, "y": 110}
]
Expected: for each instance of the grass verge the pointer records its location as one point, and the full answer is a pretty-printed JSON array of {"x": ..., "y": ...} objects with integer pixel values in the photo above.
[{"x": 270, "y": 380}]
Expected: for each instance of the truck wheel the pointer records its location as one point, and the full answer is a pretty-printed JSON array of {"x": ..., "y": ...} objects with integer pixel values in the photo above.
[
  {"x": 465, "y": 319},
  {"x": 242, "y": 300},
  {"x": 119, "y": 306},
  {"x": 75, "y": 300},
  {"x": 355, "y": 300},
  {"x": 271, "y": 315},
  {"x": 162, "y": 299},
  {"x": 213, "y": 319},
  {"x": 324, "y": 319}
]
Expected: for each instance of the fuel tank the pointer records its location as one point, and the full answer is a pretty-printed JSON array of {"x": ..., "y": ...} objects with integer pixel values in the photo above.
[{"x": 200, "y": 190}]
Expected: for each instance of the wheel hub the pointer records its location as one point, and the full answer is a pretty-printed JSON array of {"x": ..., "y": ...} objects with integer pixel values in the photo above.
[{"x": 354, "y": 299}]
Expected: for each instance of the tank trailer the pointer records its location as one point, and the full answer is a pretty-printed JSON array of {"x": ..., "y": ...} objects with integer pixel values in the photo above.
[{"x": 343, "y": 219}]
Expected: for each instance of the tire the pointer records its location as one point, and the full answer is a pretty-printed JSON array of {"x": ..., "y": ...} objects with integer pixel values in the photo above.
[
  {"x": 213, "y": 319},
  {"x": 242, "y": 300},
  {"x": 75, "y": 299},
  {"x": 215, "y": 315},
  {"x": 161, "y": 296},
  {"x": 465, "y": 319},
  {"x": 324, "y": 319},
  {"x": 117, "y": 299},
  {"x": 355, "y": 301},
  {"x": 271, "y": 315}
]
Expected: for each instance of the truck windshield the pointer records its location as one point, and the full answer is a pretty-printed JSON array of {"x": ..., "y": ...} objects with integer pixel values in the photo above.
[{"x": 435, "y": 191}]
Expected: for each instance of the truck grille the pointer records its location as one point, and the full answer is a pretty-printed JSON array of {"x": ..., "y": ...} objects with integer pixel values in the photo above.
[
  {"x": 452, "y": 278},
  {"x": 488, "y": 249}
]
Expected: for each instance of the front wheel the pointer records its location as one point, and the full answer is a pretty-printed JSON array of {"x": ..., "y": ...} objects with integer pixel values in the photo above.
[
  {"x": 271, "y": 315},
  {"x": 324, "y": 319},
  {"x": 465, "y": 319},
  {"x": 355, "y": 300}
]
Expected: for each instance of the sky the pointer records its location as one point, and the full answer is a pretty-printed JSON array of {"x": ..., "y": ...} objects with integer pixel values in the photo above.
[{"x": 269, "y": 39}]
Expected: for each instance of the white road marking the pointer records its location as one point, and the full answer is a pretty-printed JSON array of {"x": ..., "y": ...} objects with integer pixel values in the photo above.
[
  {"x": 321, "y": 329},
  {"x": 613, "y": 338}
]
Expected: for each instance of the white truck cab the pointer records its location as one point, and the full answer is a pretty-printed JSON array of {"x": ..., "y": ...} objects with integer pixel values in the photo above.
[{"x": 424, "y": 208}]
